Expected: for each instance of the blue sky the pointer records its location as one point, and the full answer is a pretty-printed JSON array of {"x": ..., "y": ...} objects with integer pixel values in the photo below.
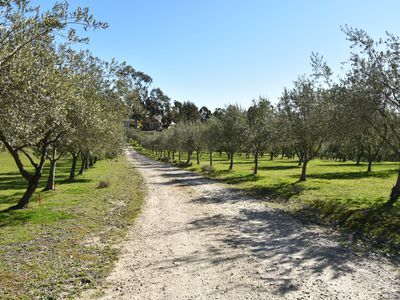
[{"x": 215, "y": 52}]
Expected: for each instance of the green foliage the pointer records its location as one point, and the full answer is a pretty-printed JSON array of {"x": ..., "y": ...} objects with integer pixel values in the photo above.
[{"x": 53, "y": 98}]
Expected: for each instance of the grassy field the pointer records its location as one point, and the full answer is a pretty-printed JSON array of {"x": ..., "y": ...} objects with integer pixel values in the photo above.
[
  {"x": 66, "y": 245},
  {"x": 339, "y": 194}
]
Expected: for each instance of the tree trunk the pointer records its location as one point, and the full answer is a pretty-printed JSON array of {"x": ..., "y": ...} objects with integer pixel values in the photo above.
[
  {"x": 179, "y": 155},
  {"x": 395, "y": 193},
  {"x": 231, "y": 161},
  {"x": 82, "y": 165},
  {"x": 189, "y": 157},
  {"x": 95, "y": 160},
  {"x": 86, "y": 163},
  {"x": 197, "y": 157},
  {"x": 301, "y": 159},
  {"x": 358, "y": 159},
  {"x": 52, "y": 172},
  {"x": 32, "y": 185},
  {"x": 271, "y": 156},
  {"x": 211, "y": 159},
  {"x": 91, "y": 162},
  {"x": 173, "y": 155},
  {"x": 50, "y": 186},
  {"x": 73, "y": 167},
  {"x": 303, "y": 176},
  {"x": 255, "y": 163},
  {"x": 369, "y": 165},
  {"x": 33, "y": 180}
]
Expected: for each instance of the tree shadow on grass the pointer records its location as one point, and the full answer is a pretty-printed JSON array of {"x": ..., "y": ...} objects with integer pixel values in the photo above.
[
  {"x": 14, "y": 218},
  {"x": 10, "y": 199},
  {"x": 77, "y": 180},
  {"x": 276, "y": 192},
  {"x": 241, "y": 178},
  {"x": 353, "y": 164},
  {"x": 12, "y": 183},
  {"x": 43, "y": 216},
  {"x": 278, "y": 168},
  {"x": 352, "y": 175}
]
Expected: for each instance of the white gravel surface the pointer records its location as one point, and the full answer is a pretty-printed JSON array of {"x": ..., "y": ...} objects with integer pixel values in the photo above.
[{"x": 198, "y": 239}]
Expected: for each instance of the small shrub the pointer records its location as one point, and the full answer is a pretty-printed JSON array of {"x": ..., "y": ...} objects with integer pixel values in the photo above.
[
  {"x": 165, "y": 159},
  {"x": 208, "y": 169},
  {"x": 183, "y": 164},
  {"x": 103, "y": 184}
]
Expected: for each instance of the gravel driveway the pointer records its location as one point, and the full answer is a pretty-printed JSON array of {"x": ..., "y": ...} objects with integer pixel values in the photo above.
[{"x": 197, "y": 239}]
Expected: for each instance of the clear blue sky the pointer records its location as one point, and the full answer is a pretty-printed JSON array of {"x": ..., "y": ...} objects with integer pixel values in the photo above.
[{"x": 215, "y": 52}]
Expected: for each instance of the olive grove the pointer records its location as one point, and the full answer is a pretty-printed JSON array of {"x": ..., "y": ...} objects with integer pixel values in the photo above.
[
  {"x": 356, "y": 117},
  {"x": 55, "y": 101}
]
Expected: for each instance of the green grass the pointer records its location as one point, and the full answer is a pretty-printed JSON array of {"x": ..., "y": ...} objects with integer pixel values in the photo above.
[
  {"x": 66, "y": 245},
  {"x": 335, "y": 193}
]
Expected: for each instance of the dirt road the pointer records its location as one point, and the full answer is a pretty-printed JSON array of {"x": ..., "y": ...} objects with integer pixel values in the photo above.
[{"x": 197, "y": 239}]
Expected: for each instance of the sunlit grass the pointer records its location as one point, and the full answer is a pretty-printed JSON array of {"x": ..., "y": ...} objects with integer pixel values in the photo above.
[{"x": 49, "y": 251}]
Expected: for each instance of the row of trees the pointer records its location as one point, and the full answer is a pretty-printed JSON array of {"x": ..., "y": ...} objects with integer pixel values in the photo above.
[
  {"x": 55, "y": 101},
  {"x": 355, "y": 117}
]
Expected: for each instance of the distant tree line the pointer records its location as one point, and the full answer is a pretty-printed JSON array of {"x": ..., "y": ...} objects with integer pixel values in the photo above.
[{"x": 356, "y": 117}]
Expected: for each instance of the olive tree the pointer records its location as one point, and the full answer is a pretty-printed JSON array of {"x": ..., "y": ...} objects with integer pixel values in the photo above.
[
  {"x": 233, "y": 131},
  {"x": 211, "y": 136},
  {"x": 35, "y": 98},
  {"x": 375, "y": 73},
  {"x": 302, "y": 113},
  {"x": 35, "y": 101},
  {"x": 260, "y": 122}
]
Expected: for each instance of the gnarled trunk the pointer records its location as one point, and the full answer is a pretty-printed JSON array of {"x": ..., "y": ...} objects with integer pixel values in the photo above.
[
  {"x": 189, "y": 157},
  {"x": 33, "y": 179},
  {"x": 86, "y": 162},
  {"x": 50, "y": 185},
  {"x": 231, "y": 161},
  {"x": 358, "y": 159},
  {"x": 255, "y": 163},
  {"x": 30, "y": 190},
  {"x": 395, "y": 193},
  {"x": 369, "y": 169},
  {"x": 303, "y": 176},
  {"x": 83, "y": 157},
  {"x": 52, "y": 176},
  {"x": 73, "y": 167}
]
